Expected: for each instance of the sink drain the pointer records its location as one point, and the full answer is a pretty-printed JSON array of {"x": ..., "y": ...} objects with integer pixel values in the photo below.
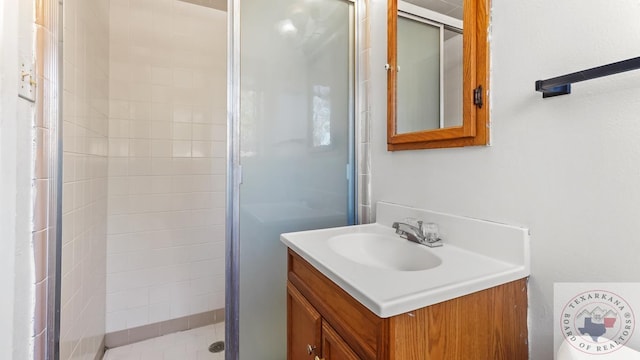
[{"x": 216, "y": 347}]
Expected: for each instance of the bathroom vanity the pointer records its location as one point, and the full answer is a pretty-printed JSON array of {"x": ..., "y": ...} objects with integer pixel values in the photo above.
[
  {"x": 325, "y": 321},
  {"x": 356, "y": 302}
]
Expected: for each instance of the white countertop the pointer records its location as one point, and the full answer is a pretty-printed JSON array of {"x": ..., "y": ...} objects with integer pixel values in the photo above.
[{"x": 389, "y": 292}]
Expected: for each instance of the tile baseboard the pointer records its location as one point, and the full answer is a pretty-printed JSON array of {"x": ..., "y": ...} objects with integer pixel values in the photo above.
[{"x": 129, "y": 336}]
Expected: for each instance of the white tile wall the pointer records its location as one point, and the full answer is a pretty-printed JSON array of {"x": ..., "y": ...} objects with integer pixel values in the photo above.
[
  {"x": 166, "y": 161},
  {"x": 364, "y": 116},
  {"x": 84, "y": 203}
]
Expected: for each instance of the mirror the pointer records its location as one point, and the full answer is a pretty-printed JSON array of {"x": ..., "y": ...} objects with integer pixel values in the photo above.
[
  {"x": 429, "y": 77},
  {"x": 437, "y": 76}
]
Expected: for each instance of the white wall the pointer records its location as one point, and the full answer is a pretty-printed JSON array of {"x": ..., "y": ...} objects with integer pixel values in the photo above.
[
  {"x": 568, "y": 167},
  {"x": 452, "y": 48},
  {"x": 167, "y": 148},
  {"x": 8, "y": 82},
  {"x": 16, "y": 121}
]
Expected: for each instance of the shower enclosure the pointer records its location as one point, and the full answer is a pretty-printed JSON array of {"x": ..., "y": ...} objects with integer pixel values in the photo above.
[
  {"x": 143, "y": 179},
  {"x": 291, "y": 152}
]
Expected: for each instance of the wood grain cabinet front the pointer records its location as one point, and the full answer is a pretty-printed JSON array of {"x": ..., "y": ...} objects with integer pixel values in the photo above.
[
  {"x": 333, "y": 346},
  {"x": 310, "y": 337},
  {"x": 325, "y": 323},
  {"x": 304, "y": 327}
]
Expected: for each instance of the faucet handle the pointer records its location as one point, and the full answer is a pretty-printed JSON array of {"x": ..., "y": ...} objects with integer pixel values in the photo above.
[
  {"x": 420, "y": 229},
  {"x": 431, "y": 232}
]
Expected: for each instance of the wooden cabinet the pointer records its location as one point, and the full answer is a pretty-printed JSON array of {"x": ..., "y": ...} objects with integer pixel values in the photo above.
[
  {"x": 304, "y": 326},
  {"x": 308, "y": 335},
  {"x": 325, "y": 321},
  {"x": 333, "y": 346}
]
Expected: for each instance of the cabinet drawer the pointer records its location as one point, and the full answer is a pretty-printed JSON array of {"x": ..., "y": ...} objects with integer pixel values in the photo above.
[{"x": 361, "y": 329}]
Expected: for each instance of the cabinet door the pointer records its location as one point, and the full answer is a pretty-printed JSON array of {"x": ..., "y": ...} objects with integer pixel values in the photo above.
[
  {"x": 334, "y": 347},
  {"x": 303, "y": 327}
]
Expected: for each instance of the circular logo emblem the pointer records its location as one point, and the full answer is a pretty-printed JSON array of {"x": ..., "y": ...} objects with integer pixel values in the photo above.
[{"x": 597, "y": 322}]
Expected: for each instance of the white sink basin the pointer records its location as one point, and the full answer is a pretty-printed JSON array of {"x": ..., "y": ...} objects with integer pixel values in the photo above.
[
  {"x": 390, "y": 275},
  {"x": 385, "y": 252}
]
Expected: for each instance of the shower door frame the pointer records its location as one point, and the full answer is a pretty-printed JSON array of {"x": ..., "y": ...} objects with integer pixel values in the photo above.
[
  {"x": 234, "y": 167},
  {"x": 234, "y": 178}
]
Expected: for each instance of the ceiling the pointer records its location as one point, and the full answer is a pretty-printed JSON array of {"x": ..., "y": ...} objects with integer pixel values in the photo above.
[{"x": 452, "y": 8}]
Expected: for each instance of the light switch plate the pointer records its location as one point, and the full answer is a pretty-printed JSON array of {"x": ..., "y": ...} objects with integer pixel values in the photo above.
[{"x": 27, "y": 83}]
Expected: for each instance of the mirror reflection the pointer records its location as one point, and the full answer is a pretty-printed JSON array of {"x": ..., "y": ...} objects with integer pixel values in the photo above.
[{"x": 429, "y": 70}]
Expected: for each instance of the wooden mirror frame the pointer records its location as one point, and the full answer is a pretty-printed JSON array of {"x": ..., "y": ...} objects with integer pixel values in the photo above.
[{"x": 475, "y": 53}]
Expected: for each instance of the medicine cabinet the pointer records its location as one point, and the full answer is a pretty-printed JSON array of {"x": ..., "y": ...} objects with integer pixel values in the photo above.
[{"x": 430, "y": 102}]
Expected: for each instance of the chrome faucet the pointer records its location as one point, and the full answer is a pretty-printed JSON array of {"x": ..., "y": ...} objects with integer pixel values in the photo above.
[{"x": 417, "y": 234}]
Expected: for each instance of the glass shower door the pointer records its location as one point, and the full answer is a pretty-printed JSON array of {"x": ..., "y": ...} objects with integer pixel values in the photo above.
[{"x": 296, "y": 148}]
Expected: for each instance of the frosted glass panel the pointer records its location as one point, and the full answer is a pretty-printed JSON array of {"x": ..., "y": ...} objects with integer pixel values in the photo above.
[
  {"x": 418, "y": 83},
  {"x": 295, "y": 124}
]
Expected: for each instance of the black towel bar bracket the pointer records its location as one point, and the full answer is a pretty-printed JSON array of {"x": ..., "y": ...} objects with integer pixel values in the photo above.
[{"x": 561, "y": 85}]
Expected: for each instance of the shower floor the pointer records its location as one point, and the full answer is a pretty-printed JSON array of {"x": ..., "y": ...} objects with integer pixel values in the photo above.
[{"x": 184, "y": 345}]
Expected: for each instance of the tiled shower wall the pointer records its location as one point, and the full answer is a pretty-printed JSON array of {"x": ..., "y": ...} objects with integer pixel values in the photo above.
[
  {"x": 365, "y": 211},
  {"x": 84, "y": 202},
  {"x": 167, "y": 132}
]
